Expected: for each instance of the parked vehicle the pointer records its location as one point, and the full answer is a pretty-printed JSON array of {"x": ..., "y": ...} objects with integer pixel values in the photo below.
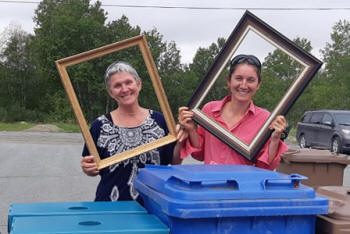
[{"x": 326, "y": 129}]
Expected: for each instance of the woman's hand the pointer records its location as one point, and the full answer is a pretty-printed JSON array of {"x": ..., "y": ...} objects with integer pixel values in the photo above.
[
  {"x": 188, "y": 128},
  {"x": 89, "y": 166},
  {"x": 279, "y": 125},
  {"x": 186, "y": 124},
  {"x": 181, "y": 134},
  {"x": 185, "y": 119}
]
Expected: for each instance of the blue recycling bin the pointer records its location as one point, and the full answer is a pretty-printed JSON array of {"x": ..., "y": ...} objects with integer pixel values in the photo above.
[
  {"x": 71, "y": 208},
  {"x": 128, "y": 223},
  {"x": 229, "y": 199}
]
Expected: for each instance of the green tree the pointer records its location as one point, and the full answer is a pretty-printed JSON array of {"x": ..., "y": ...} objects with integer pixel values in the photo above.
[
  {"x": 338, "y": 48},
  {"x": 173, "y": 77},
  {"x": 204, "y": 57},
  {"x": 202, "y": 61},
  {"x": 63, "y": 28},
  {"x": 19, "y": 93},
  {"x": 279, "y": 71},
  {"x": 335, "y": 80},
  {"x": 170, "y": 59},
  {"x": 329, "y": 88},
  {"x": 89, "y": 76}
]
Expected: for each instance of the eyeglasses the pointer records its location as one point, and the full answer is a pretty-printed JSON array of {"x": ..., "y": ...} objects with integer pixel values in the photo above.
[{"x": 244, "y": 58}]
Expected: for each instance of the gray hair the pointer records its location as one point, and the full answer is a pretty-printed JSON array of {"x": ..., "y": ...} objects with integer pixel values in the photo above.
[{"x": 120, "y": 66}]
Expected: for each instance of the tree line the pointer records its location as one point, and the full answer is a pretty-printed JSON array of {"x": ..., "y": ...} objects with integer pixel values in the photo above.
[{"x": 31, "y": 89}]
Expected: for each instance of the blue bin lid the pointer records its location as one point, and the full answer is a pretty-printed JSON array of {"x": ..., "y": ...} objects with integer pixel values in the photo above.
[
  {"x": 212, "y": 182},
  {"x": 225, "y": 190},
  {"x": 71, "y": 208},
  {"x": 88, "y": 224}
]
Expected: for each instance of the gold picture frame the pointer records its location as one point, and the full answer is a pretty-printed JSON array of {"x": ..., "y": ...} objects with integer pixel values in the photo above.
[
  {"x": 141, "y": 43},
  {"x": 250, "y": 22}
]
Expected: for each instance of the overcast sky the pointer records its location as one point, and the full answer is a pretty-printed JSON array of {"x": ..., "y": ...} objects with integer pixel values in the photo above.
[{"x": 192, "y": 28}]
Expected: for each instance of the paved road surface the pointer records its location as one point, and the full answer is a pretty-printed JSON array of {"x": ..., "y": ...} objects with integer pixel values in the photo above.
[{"x": 38, "y": 167}]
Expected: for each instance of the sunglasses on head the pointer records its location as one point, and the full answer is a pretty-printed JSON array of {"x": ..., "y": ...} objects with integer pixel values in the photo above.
[{"x": 244, "y": 58}]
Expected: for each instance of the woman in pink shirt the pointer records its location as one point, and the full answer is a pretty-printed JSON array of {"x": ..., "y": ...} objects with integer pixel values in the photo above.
[{"x": 237, "y": 113}]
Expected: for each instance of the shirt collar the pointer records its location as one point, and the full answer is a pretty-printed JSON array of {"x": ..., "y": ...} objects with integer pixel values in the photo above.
[{"x": 217, "y": 108}]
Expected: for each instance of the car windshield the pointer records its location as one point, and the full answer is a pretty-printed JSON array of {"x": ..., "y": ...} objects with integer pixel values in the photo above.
[{"x": 343, "y": 118}]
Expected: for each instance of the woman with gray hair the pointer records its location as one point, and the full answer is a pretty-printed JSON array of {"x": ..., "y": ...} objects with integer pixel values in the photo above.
[{"x": 126, "y": 127}]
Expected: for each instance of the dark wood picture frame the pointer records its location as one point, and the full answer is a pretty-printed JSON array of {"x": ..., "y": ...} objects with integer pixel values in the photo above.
[{"x": 310, "y": 64}]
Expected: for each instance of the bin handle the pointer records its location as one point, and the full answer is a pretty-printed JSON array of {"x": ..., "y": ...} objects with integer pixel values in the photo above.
[
  {"x": 197, "y": 183},
  {"x": 292, "y": 180},
  {"x": 203, "y": 179}
]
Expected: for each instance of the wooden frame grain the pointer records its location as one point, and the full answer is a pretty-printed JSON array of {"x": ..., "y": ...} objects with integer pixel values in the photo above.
[
  {"x": 141, "y": 42},
  {"x": 310, "y": 64}
]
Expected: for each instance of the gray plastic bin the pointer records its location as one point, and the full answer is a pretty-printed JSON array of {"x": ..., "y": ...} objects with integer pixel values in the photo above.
[
  {"x": 320, "y": 166},
  {"x": 338, "y": 219}
]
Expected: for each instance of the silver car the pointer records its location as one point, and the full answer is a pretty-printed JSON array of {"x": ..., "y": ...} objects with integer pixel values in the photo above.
[{"x": 326, "y": 129}]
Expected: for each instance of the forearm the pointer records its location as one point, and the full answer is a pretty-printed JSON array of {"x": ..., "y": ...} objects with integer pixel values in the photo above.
[
  {"x": 273, "y": 148},
  {"x": 194, "y": 138},
  {"x": 278, "y": 125},
  {"x": 176, "y": 154}
]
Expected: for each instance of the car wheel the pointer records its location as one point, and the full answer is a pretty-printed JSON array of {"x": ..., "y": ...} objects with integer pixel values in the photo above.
[
  {"x": 335, "y": 145},
  {"x": 302, "y": 141}
]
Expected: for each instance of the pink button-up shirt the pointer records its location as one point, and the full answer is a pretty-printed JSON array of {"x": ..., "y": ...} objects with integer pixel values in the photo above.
[{"x": 214, "y": 151}]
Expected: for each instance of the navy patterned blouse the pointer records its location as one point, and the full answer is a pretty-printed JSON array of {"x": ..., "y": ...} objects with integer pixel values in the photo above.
[{"x": 117, "y": 180}]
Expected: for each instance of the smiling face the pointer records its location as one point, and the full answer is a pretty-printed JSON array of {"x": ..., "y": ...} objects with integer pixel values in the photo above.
[
  {"x": 124, "y": 88},
  {"x": 243, "y": 82}
]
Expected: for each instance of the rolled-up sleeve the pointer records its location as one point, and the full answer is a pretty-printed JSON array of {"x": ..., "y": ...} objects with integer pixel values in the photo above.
[
  {"x": 188, "y": 149},
  {"x": 263, "y": 157}
]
